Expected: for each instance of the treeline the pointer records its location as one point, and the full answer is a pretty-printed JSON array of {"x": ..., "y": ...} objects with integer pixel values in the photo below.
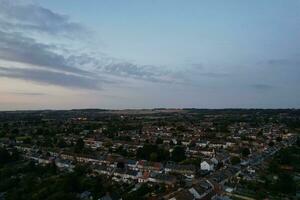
[{"x": 24, "y": 180}]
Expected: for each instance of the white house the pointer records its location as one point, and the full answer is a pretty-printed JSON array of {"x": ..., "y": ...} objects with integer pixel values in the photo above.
[
  {"x": 207, "y": 165},
  {"x": 64, "y": 164},
  {"x": 125, "y": 175}
]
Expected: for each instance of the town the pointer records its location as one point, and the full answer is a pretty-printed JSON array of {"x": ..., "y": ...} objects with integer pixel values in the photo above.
[{"x": 171, "y": 154}]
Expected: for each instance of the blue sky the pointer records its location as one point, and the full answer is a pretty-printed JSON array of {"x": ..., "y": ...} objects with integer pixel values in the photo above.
[{"x": 65, "y": 54}]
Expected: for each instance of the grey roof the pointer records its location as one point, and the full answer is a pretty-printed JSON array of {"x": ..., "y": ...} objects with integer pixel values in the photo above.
[
  {"x": 131, "y": 162},
  {"x": 183, "y": 195},
  {"x": 106, "y": 197},
  {"x": 180, "y": 167},
  {"x": 165, "y": 177},
  {"x": 126, "y": 171}
]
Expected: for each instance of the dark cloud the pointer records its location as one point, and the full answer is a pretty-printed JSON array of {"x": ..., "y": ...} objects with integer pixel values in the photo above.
[
  {"x": 213, "y": 74},
  {"x": 18, "y": 48},
  {"x": 197, "y": 66},
  {"x": 27, "y": 93},
  {"x": 49, "y": 66},
  {"x": 50, "y": 77},
  {"x": 17, "y": 44},
  {"x": 283, "y": 62},
  {"x": 262, "y": 86},
  {"x": 20, "y": 16},
  {"x": 127, "y": 69}
]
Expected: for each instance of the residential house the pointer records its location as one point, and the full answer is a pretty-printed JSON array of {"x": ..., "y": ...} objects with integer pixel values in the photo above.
[
  {"x": 103, "y": 169},
  {"x": 125, "y": 175},
  {"x": 149, "y": 166},
  {"x": 207, "y": 165},
  {"x": 166, "y": 179},
  {"x": 183, "y": 194},
  {"x": 64, "y": 164},
  {"x": 201, "y": 190},
  {"x": 186, "y": 170}
]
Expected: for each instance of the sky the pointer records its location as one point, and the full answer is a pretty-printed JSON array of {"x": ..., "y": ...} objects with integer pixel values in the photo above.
[{"x": 64, "y": 54}]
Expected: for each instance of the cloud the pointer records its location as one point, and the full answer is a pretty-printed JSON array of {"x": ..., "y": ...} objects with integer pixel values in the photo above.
[
  {"x": 17, "y": 15},
  {"x": 262, "y": 86},
  {"x": 18, "y": 19},
  {"x": 126, "y": 68},
  {"x": 132, "y": 70},
  {"x": 213, "y": 74},
  {"x": 51, "y": 77},
  {"x": 18, "y": 48},
  {"x": 44, "y": 65},
  {"x": 283, "y": 62},
  {"x": 27, "y": 93}
]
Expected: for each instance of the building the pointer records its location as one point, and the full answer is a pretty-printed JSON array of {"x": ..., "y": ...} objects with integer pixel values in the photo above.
[{"x": 207, "y": 165}]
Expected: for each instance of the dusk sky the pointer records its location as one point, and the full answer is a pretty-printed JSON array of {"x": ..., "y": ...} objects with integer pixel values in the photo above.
[{"x": 63, "y": 54}]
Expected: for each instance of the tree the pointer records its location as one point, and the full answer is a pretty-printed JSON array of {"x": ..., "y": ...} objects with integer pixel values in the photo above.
[
  {"x": 278, "y": 139},
  {"x": 27, "y": 140},
  {"x": 171, "y": 143},
  {"x": 15, "y": 131},
  {"x": 153, "y": 157},
  {"x": 192, "y": 161},
  {"x": 286, "y": 184},
  {"x": 178, "y": 154},
  {"x": 298, "y": 142},
  {"x": 179, "y": 142},
  {"x": 121, "y": 165},
  {"x": 4, "y": 156},
  {"x": 61, "y": 143},
  {"x": 235, "y": 160},
  {"x": 159, "y": 140},
  {"x": 79, "y": 145},
  {"x": 81, "y": 170},
  {"x": 274, "y": 166},
  {"x": 139, "y": 193},
  {"x": 260, "y": 194},
  {"x": 245, "y": 152},
  {"x": 122, "y": 151},
  {"x": 146, "y": 150},
  {"x": 220, "y": 165},
  {"x": 192, "y": 144},
  {"x": 285, "y": 157},
  {"x": 152, "y": 152}
]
